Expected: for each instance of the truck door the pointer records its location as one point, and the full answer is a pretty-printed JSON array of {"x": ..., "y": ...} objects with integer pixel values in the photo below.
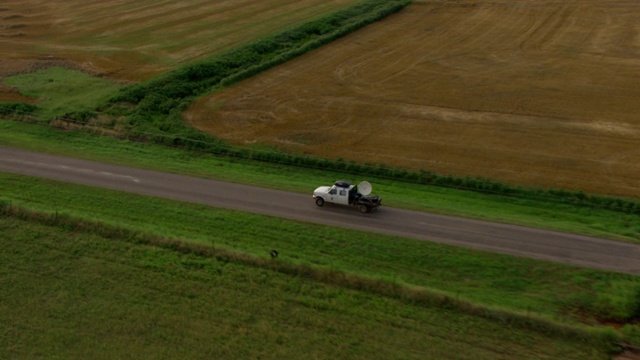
[
  {"x": 332, "y": 194},
  {"x": 343, "y": 196}
]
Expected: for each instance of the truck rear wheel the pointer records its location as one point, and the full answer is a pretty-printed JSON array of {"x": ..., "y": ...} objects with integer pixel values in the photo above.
[
  {"x": 319, "y": 201},
  {"x": 364, "y": 209}
]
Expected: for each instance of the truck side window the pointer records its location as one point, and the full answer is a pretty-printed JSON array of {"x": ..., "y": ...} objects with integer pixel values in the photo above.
[
  {"x": 332, "y": 191},
  {"x": 343, "y": 192}
]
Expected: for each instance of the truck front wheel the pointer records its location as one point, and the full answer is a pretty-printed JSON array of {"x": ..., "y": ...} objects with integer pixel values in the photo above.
[{"x": 319, "y": 201}]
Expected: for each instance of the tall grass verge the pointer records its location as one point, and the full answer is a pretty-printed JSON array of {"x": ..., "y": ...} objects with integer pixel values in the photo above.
[
  {"x": 112, "y": 299},
  {"x": 603, "y": 336}
]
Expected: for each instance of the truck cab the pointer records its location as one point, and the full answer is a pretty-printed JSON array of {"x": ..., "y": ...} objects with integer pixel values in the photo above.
[{"x": 338, "y": 193}]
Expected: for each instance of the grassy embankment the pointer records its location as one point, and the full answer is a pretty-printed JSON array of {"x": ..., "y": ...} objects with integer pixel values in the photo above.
[{"x": 81, "y": 295}]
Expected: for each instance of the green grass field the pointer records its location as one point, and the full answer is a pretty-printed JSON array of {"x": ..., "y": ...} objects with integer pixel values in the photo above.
[
  {"x": 60, "y": 91},
  {"x": 78, "y": 295}
]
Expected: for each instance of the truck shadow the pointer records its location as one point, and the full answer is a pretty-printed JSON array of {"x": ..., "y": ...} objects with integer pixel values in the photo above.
[{"x": 348, "y": 211}]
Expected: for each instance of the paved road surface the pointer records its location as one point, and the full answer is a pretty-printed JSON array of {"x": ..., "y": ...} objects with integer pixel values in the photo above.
[{"x": 502, "y": 238}]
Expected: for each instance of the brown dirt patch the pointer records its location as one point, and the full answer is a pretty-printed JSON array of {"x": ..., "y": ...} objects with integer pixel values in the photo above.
[
  {"x": 628, "y": 355},
  {"x": 534, "y": 92}
]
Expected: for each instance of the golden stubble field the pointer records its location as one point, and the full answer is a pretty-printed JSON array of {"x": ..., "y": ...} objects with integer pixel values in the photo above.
[
  {"x": 533, "y": 92},
  {"x": 134, "y": 40}
]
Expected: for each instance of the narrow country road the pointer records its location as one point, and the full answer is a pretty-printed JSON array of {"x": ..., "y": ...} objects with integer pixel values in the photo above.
[{"x": 502, "y": 238}]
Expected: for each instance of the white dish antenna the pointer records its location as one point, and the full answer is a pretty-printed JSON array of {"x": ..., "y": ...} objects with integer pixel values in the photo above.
[{"x": 365, "y": 188}]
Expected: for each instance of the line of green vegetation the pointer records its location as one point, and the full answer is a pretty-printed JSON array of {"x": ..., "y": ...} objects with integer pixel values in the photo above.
[
  {"x": 78, "y": 294},
  {"x": 174, "y": 89},
  {"x": 519, "y": 288},
  {"x": 442, "y": 199}
]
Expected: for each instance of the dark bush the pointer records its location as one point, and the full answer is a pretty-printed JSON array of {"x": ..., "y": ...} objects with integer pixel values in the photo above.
[{"x": 12, "y": 109}]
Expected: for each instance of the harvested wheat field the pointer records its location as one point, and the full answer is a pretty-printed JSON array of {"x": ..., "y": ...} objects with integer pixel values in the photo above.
[
  {"x": 531, "y": 92},
  {"x": 134, "y": 40}
]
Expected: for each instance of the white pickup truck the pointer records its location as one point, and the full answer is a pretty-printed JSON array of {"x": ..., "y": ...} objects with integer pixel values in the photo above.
[{"x": 342, "y": 192}]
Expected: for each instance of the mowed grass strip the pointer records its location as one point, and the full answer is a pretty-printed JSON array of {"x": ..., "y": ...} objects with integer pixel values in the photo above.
[
  {"x": 60, "y": 91},
  {"x": 445, "y": 200},
  {"x": 526, "y": 286},
  {"x": 71, "y": 294}
]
